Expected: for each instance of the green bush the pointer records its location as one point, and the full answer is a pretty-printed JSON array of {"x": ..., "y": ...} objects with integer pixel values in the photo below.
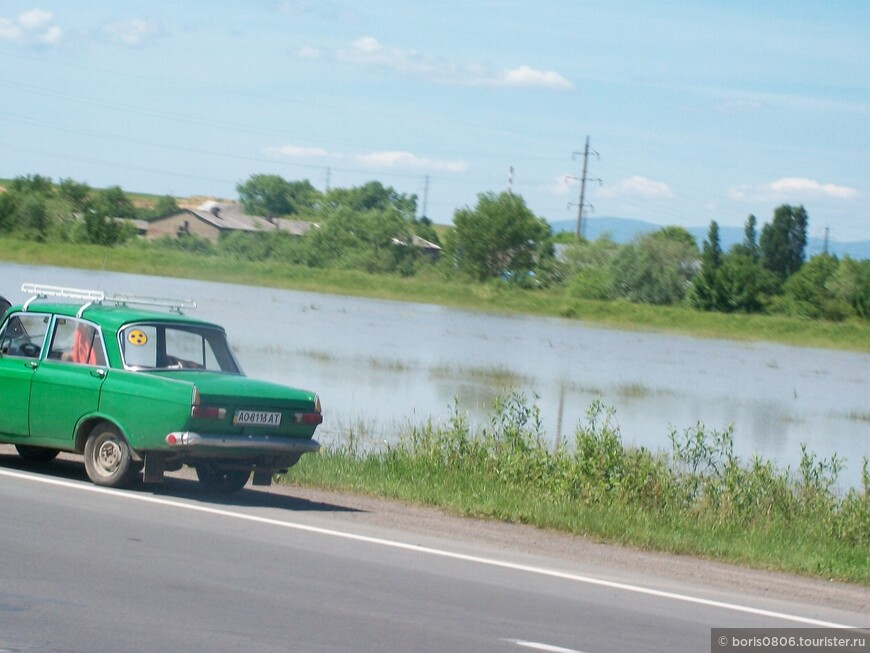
[{"x": 698, "y": 498}]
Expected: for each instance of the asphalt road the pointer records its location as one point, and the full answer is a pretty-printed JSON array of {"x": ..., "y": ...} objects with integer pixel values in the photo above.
[{"x": 86, "y": 570}]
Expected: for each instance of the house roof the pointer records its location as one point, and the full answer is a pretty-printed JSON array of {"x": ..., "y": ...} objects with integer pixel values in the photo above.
[
  {"x": 229, "y": 216},
  {"x": 417, "y": 241}
]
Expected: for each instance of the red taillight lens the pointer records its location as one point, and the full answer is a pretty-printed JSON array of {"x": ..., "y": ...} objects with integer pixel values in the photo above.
[
  {"x": 208, "y": 412},
  {"x": 308, "y": 418}
]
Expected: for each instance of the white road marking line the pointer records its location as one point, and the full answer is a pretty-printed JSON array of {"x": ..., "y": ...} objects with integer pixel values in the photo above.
[
  {"x": 492, "y": 562},
  {"x": 542, "y": 647}
]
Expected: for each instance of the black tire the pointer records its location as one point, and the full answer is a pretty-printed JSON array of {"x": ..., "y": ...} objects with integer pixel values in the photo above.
[
  {"x": 220, "y": 480},
  {"x": 36, "y": 454},
  {"x": 107, "y": 458}
]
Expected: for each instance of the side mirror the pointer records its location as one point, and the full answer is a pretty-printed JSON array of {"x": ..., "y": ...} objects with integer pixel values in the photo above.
[{"x": 4, "y": 306}]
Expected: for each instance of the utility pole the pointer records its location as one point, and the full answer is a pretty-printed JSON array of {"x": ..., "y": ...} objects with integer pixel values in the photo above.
[
  {"x": 581, "y": 203},
  {"x": 511, "y": 180},
  {"x": 425, "y": 196},
  {"x": 827, "y": 235},
  {"x": 328, "y": 174}
]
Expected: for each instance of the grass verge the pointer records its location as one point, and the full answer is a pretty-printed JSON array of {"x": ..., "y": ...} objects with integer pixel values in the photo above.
[
  {"x": 698, "y": 500},
  {"x": 145, "y": 258}
]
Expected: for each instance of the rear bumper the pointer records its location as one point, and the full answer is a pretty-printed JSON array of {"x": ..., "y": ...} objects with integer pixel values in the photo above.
[{"x": 189, "y": 442}]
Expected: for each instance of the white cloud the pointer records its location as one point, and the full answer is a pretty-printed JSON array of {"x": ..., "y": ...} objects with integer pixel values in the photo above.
[
  {"x": 33, "y": 27},
  {"x": 527, "y": 76},
  {"x": 133, "y": 32},
  {"x": 638, "y": 186},
  {"x": 296, "y": 152},
  {"x": 368, "y": 51},
  {"x": 793, "y": 189},
  {"x": 35, "y": 19},
  {"x": 386, "y": 159},
  {"x": 406, "y": 160},
  {"x": 796, "y": 185}
]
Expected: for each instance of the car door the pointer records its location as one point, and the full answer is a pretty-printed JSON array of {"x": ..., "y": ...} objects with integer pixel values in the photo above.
[
  {"x": 66, "y": 385},
  {"x": 22, "y": 338}
]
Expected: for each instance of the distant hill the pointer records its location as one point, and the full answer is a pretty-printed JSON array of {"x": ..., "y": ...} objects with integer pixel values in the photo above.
[{"x": 624, "y": 230}]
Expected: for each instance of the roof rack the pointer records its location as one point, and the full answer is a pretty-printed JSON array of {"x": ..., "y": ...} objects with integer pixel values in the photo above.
[
  {"x": 172, "y": 304},
  {"x": 40, "y": 291}
]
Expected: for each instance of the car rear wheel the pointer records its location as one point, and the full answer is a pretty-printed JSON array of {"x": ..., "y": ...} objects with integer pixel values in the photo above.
[
  {"x": 36, "y": 454},
  {"x": 107, "y": 458},
  {"x": 221, "y": 480}
]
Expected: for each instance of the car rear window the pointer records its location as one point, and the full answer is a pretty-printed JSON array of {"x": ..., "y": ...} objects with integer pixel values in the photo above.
[{"x": 174, "y": 347}]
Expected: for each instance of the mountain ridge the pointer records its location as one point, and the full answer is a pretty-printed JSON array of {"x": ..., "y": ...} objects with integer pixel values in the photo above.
[{"x": 625, "y": 230}]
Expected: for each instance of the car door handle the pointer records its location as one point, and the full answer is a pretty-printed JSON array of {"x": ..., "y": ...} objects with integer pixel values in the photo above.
[
  {"x": 100, "y": 374},
  {"x": 32, "y": 364}
]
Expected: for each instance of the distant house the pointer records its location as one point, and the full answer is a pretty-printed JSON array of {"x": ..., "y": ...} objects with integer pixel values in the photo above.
[
  {"x": 212, "y": 219},
  {"x": 428, "y": 248}
]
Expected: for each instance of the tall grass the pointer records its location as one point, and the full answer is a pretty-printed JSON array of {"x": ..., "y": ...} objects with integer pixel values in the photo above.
[{"x": 699, "y": 498}]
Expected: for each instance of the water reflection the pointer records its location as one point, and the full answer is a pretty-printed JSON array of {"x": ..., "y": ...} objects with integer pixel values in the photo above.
[{"x": 378, "y": 364}]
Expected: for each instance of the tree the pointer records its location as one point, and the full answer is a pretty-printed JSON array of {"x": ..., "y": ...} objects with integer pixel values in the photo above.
[
  {"x": 272, "y": 195},
  {"x": 372, "y": 241},
  {"x": 77, "y": 194},
  {"x": 113, "y": 202},
  {"x": 657, "y": 268},
  {"x": 743, "y": 283},
  {"x": 423, "y": 228},
  {"x": 373, "y": 196},
  {"x": 707, "y": 292},
  {"x": 8, "y": 212},
  {"x": 30, "y": 184},
  {"x": 783, "y": 242},
  {"x": 500, "y": 237},
  {"x": 589, "y": 265},
  {"x": 164, "y": 206},
  {"x": 750, "y": 238},
  {"x": 807, "y": 292},
  {"x": 33, "y": 217},
  {"x": 851, "y": 284}
]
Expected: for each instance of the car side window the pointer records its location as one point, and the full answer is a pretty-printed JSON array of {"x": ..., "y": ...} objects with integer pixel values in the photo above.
[
  {"x": 24, "y": 335},
  {"x": 77, "y": 341}
]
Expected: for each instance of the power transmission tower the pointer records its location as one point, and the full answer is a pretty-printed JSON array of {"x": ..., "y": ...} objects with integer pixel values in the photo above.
[{"x": 581, "y": 202}]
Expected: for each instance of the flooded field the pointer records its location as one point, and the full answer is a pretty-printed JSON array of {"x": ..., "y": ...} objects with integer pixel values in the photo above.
[{"x": 378, "y": 364}]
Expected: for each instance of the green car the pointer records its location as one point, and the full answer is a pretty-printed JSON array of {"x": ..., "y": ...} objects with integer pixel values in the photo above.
[{"x": 142, "y": 391}]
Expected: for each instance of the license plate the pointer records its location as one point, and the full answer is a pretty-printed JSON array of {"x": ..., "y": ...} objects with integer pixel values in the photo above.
[{"x": 256, "y": 418}]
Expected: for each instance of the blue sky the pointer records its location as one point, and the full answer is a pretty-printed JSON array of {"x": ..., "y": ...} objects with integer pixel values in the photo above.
[{"x": 698, "y": 111}]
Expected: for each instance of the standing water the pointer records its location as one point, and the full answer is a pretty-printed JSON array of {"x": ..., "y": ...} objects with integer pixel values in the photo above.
[{"x": 379, "y": 364}]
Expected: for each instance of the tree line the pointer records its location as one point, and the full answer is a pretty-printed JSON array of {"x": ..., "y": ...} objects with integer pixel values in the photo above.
[{"x": 500, "y": 241}]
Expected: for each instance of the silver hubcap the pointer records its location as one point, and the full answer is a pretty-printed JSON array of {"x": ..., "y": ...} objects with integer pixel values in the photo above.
[{"x": 107, "y": 458}]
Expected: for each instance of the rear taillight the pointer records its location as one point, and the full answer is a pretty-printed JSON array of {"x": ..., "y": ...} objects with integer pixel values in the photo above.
[
  {"x": 208, "y": 412},
  {"x": 308, "y": 418}
]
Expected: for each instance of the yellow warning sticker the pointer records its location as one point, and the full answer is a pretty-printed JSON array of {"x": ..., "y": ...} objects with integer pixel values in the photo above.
[{"x": 137, "y": 337}]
